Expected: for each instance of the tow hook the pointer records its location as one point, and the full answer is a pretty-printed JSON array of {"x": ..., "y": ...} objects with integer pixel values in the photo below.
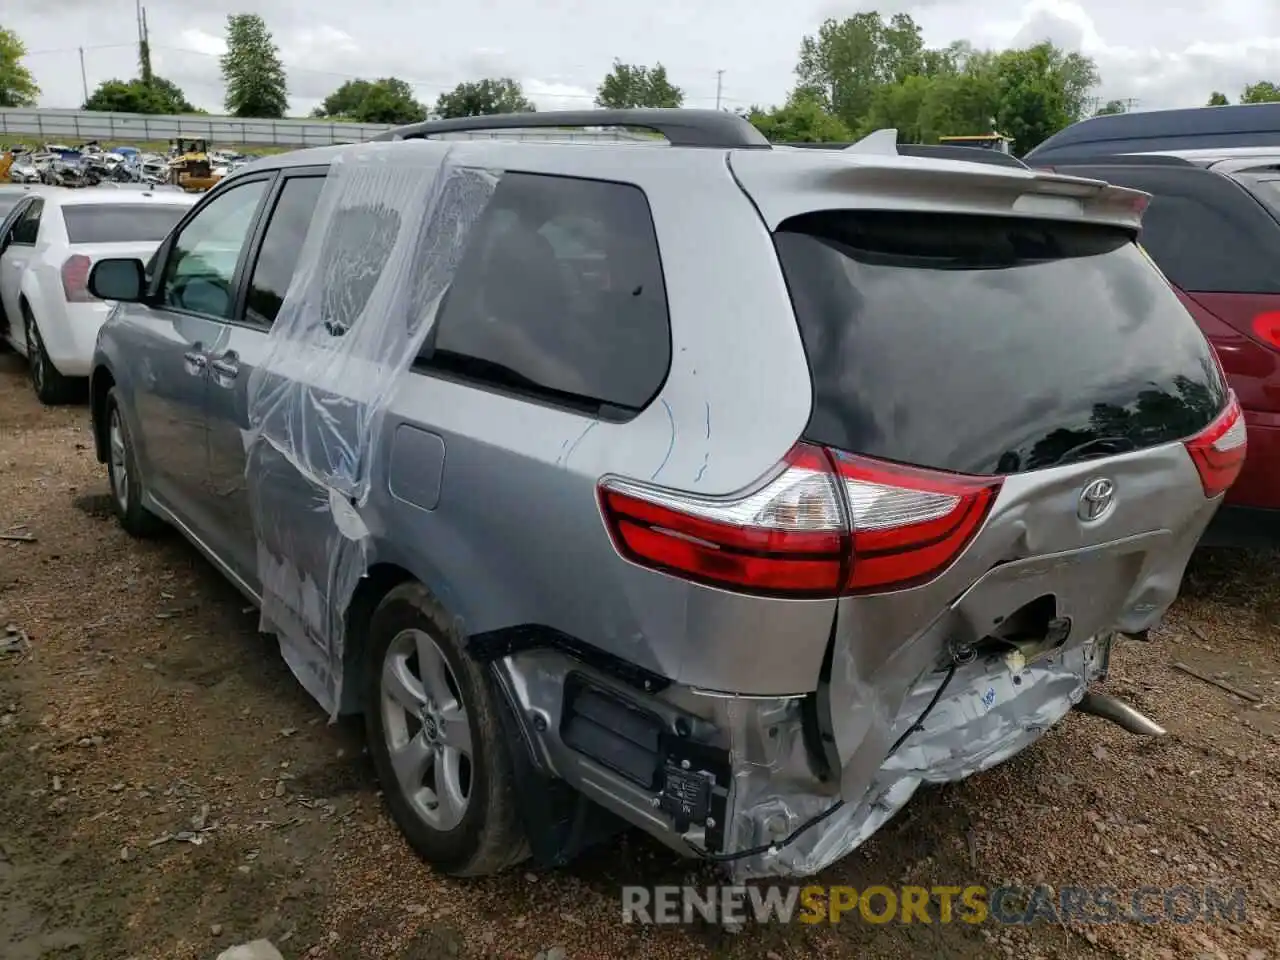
[{"x": 1119, "y": 713}]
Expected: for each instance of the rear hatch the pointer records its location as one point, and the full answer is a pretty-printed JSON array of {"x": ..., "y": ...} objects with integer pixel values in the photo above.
[
  {"x": 975, "y": 377},
  {"x": 1216, "y": 237},
  {"x": 97, "y": 231}
]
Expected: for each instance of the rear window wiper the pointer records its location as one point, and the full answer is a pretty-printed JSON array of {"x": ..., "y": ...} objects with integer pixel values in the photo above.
[{"x": 1092, "y": 449}]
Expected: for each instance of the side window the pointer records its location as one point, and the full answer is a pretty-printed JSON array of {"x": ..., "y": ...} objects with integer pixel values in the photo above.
[
  {"x": 559, "y": 294},
  {"x": 27, "y": 229},
  {"x": 1198, "y": 247},
  {"x": 199, "y": 274},
  {"x": 281, "y": 245}
]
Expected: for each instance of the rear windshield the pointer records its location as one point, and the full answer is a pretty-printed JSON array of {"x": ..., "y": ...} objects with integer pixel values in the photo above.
[
  {"x": 990, "y": 345},
  {"x": 120, "y": 223}
]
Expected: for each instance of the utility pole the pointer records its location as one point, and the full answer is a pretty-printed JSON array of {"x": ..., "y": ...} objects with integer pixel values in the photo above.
[
  {"x": 144, "y": 45},
  {"x": 84, "y": 77},
  {"x": 719, "y": 86}
]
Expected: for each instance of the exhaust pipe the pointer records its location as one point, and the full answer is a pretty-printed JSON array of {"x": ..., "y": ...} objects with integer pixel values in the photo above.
[{"x": 1119, "y": 713}]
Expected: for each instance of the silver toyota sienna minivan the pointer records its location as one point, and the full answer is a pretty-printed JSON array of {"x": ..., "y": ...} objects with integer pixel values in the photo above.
[{"x": 717, "y": 488}]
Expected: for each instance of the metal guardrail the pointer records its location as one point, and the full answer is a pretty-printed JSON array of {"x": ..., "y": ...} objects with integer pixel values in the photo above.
[{"x": 77, "y": 126}]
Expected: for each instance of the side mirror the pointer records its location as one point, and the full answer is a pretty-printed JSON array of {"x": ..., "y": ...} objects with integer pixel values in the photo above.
[{"x": 120, "y": 279}]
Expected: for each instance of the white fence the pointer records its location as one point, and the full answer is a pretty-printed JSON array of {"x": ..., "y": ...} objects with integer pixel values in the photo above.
[{"x": 73, "y": 127}]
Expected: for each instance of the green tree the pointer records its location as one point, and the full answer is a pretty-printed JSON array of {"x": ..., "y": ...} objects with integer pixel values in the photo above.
[
  {"x": 344, "y": 101},
  {"x": 802, "y": 119},
  {"x": 388, "y": 100},
  {"x": 17, "y": 86},
  {"x": 1262, "y": 92},
  {"x": 628, "y": 85},
  {"x": 1217, "y": 99},
  {"x": 484, "y": 98},
  {"x": 849, "y": 60},
  {"x": 252, "y": 71},
  {"x": 1109, "y": 108},
  {"x": 1041, "y": 90},
  {"x": 161, "y": 96}
]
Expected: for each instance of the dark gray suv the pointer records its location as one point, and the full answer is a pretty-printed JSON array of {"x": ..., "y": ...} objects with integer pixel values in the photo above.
[{"x": 724, "y": 490}]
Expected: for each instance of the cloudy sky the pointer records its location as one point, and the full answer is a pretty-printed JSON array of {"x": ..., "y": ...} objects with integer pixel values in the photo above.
[{"x": 1159, "y": 52}]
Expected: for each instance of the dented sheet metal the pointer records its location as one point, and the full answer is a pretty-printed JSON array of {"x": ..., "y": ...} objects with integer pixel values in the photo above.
[
  {"x": 988, "y": 712},
  {"x": 387, "y": 235}
]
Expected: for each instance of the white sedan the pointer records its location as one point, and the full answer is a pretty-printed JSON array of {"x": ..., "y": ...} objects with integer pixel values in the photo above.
[{"x": 49, "y": 239}]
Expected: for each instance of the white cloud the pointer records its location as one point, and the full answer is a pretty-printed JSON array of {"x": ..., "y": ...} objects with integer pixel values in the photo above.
[{"x": 1170, "y": 53}]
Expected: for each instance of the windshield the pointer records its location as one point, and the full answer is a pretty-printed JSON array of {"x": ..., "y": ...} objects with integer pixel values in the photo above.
[
  {"x": 122, "y": 223},
  {"x": 8, "y": 201}
]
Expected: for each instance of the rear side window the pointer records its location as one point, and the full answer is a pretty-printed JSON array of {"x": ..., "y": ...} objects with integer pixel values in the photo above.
[
  {"x": 281, "y": 245},
  {"x": 1204, "y": 231},
  {"x": 989, "y": 345},
  {"x": 1203, "y": 248},
  {"x": 559, "y": 296},
  {"x": 120, "y": 223}
]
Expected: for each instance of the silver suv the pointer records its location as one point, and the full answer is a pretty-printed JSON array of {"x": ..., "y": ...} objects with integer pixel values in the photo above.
[{"x": 725, "y": 490}]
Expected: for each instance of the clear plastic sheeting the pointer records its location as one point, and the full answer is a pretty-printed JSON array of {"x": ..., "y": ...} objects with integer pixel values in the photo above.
[
  {"x": 389, "y": 230},
  {"x": 989, "y": 711}
]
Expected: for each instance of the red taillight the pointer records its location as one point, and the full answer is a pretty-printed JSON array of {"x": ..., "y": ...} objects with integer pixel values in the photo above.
[
  {"x": 908, "y": 524},
  {"x": 787, "y": 537},
  {"x": 825, "y": 524},
  {"x": 75, "y": 279},
  {"x": 1219, "y": 449},
  {"x": 1267, "y": 327}
]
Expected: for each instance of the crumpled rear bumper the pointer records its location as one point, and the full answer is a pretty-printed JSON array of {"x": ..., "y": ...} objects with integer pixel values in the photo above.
[{"x": 988, "y": 712}]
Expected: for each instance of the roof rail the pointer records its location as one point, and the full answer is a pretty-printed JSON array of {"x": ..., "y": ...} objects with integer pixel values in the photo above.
[{"x": 682, "y": 128}]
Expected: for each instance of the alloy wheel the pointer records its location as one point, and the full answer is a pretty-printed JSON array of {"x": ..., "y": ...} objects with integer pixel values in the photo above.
[
  {"x": 427, "y": 730},
  {"x": 119, "y": 460}
]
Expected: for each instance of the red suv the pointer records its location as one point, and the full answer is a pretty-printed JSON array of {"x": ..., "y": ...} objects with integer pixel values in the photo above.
[{"x": 1213, "y": 228}]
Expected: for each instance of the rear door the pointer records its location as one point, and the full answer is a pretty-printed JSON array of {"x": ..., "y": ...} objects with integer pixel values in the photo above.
[
  {"x": 16, "y": 259},
  {"x": 1220, "y": 246},
  {"x": 240, "y": 347},
  {"x": 11, "y": 212}
]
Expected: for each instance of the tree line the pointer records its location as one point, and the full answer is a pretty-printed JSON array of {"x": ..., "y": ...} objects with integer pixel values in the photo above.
[{"x": 854, "y": 75}]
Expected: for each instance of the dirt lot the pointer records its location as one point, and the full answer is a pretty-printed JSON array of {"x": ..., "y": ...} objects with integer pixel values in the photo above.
[{"x": 167, "y": 790}]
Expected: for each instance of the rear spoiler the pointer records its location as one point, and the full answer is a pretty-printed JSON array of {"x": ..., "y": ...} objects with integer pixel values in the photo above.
[{"x": 876, "y": 167}]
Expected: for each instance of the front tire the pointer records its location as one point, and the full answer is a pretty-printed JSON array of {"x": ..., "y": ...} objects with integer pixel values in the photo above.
[
  {"x": 51, "y": 387},
  {"x": 122, "y": 472},
  {"x": 435, "y": 736}
]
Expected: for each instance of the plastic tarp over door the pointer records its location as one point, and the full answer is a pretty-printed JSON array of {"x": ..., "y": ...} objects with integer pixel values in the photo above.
[{"x": 390, "y": 227}]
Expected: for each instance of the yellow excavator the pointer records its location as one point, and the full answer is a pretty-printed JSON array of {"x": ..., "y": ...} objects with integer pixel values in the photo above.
[
  {"x": 189, "y": 166},
  {"x": 6, "y": 161}
]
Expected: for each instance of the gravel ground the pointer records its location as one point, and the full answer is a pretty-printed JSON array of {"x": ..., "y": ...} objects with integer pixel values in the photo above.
[{"x": 167, "y": 790}]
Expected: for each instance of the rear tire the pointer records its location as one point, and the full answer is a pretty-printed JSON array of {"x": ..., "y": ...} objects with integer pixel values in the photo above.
[
  {"x": 122, "y": 472},
  {"x": 51, "y": 387},
  {"x": 436, "y": 739}
]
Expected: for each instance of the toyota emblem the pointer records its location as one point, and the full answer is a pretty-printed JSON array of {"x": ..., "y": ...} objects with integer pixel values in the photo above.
[{"x": 1096, "y": 500}]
